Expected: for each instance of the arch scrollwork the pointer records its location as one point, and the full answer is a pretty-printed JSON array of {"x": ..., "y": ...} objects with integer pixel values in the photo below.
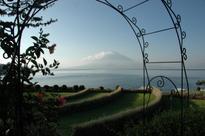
[{"x": 140, "y": 34}]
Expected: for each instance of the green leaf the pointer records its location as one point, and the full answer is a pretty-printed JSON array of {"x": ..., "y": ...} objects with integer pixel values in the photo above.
[
  {"x": 35, "y": 63},
  {"x": 35, "y": 44},
  {"x": 45, "y": 35},
  {"x": 37, "y": 19},
  {"x": 38, "y": 53},
  {"x": 35, "y": 38},
  {"x": 43, "y": 72},
  {"x": 44, "y": 61},
  {"x": 30, "y": 78},
  {"x": 40, "y": 65},
  {"x": 29, "y": 49},
  {"x": 43, "y": 46},
  {"x": 48, "y": 70},
  {"x": 45, "y": 40}
]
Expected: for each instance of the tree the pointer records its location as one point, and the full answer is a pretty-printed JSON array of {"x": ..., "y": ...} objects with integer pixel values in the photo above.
[{"x": 14, "y": 113}]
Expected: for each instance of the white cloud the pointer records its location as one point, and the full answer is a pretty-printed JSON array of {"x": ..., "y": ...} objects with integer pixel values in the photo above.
[{"x": 97, "y": 56}]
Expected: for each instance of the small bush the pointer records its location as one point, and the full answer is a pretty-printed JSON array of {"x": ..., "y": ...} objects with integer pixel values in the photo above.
[
  {"x": 56, "y": 88},
  {"x": 46, "y": 87},
  {"x": 200, "y": 82},
  {"x": 81, "y": 87},
  {"x": 168, "y": 124},
  {"x": 75, "y": 87},
  {"x": 64, "y": 87},
  {"x": 101, "y": 88},
  {"x": 37, "y": 87},
  {"x": 69, "y": 89}
]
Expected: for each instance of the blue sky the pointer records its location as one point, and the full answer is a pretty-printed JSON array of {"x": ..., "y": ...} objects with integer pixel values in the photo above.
[{"x": 86, "y": 27}]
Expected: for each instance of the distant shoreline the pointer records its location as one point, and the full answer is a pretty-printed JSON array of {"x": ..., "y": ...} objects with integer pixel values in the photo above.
[{"x": 196, "y": 69}]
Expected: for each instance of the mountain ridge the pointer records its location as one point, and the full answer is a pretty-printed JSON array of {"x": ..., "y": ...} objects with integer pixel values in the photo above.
[{"x": 107, "y": 60}]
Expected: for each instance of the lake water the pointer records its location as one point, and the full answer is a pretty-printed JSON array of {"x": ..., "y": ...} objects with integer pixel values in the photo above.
[{"x": 129, "y": 79}]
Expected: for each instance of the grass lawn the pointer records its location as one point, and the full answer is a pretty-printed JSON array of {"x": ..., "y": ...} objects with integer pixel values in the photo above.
[
  {"x": 54, "y": 93},
  {"x": 86, "y": 96},
  {"x": 194, "y": 103},
  {"x": 124, "y": 102},
  {"x": 197, "y": 103},
  {"x": 64, "y": 93}
]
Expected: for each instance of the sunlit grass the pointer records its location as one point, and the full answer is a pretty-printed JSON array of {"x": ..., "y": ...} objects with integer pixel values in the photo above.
[
  {"x": 64, "y": 93},
  {"x": 124, "y": 102},
  {"x": 86, "y": 96},
  {"x": 198, "y": 103}
]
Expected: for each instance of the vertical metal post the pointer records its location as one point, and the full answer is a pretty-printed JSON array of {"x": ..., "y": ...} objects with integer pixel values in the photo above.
[{"x": 175, "y": 19}]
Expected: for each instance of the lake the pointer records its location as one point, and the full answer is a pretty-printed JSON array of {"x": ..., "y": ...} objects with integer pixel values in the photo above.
[{"x": 129, "y": 79}]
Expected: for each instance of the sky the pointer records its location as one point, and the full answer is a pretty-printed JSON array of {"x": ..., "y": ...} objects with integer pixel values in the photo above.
[{"x": 87, "y": 27}]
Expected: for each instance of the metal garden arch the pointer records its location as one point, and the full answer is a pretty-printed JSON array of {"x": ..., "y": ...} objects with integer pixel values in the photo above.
[{"x": 140, "y": 37}]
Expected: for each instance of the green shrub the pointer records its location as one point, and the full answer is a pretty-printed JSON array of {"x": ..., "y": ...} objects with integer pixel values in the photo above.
[
  {"x": 81, "y": 87},
  {"x": 75, "y": 87},
  {"x": 168, "y": 123},
  {"x": 77, "y": 95},
  {"x": 64, "y": 87},
  {"x": 112, "y": 125},
  {"x": 37, "y": 87},
  {"x": 46, "y": 87},
  {"x": 55, "y": 88},
  {"x": 200, "y": 82},
  {"x": 88, "y": 104},
  {"x": 101, "y": 88}
]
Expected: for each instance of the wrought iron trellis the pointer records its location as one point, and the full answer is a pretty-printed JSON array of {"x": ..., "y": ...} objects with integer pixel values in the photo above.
[{"x": 140, "y": 36}]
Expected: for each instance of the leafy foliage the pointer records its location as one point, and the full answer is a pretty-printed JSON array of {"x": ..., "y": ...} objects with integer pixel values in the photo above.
[
  {"x": 200, "y": 82},
  {"x": 20, "y": 114},
  {"x": 167, "y": 123}
]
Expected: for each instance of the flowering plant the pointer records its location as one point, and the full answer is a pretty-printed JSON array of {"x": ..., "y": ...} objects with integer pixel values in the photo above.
[{"x": 61, "y": 100}]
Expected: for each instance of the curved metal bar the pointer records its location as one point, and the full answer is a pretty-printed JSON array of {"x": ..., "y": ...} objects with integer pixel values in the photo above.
[
  {"x": 161, "y": 82},
  {"x": 133, "y": 25},
  {"x": 135, "y": 5},
  {"x": 181, "y": 35}
]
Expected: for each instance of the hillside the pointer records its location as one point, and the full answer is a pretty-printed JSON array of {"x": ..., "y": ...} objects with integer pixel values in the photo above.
[{"x": 108, "y": 60}]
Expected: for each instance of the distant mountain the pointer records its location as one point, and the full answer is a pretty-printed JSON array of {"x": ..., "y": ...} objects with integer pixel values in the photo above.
[
  {"x": 115, "y": 60},
  {"x": 108, "y": 60}
]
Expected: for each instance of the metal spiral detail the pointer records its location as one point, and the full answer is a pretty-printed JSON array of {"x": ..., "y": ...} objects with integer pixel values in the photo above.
[{"x": 140, "y": 34}]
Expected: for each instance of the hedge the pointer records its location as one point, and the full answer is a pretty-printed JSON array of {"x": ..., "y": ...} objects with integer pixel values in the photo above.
[
  {"x": 89, "y": 103},
  {"x": 78, "y": 94},
  {"x": 110, "y": 125},
  {"x": 168, "y": 123}
]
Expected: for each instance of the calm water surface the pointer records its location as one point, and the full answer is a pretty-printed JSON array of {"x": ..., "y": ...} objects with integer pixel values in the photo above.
[{"x": 110, "y": 78}]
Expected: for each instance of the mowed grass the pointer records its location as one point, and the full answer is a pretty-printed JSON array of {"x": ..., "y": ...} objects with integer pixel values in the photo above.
[
  {"x": 89, "y": 95},
  {"x": 65, "y": 93},
  {"x": 193, "y": 103},
  {"x": 54, "y": 93},
  {"x": 198, "y": 103},
  {"x": 124, "y": 102}
]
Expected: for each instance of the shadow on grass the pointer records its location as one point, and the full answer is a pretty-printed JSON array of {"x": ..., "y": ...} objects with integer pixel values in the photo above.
[{"x": 123, "y": 102}]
